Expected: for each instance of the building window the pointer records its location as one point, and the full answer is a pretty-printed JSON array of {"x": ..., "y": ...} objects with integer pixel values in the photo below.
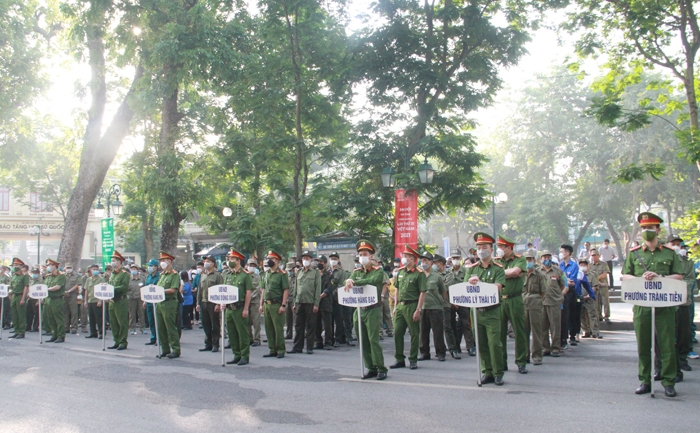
[
  {"x": 37, "y": 205},
  {"x": 4, "y": 199}
]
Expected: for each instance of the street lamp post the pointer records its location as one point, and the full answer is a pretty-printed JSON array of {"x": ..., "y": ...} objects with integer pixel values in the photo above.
[
  {"x": 115, "y": 205},
  {"x": 38, "y": 231},
  {"x": 496, "y": 199}
]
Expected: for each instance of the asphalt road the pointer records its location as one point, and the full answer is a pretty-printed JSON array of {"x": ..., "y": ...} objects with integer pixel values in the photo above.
[{"x": 75, "y": 387}]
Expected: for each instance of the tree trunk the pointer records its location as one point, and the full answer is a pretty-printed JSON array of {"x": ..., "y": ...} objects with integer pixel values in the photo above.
[
  {"x": 98, "y": 150},
  {"x": 581, "y": 234},
  {"x": 616, "y": 239},
  {"x": 148, "y": 222}
]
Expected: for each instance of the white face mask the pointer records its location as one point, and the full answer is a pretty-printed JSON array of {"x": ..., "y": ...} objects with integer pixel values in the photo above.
[
  {"x": 456, "y": 262},
  {"x": 164, "y": 265},
  {"x": 364, "y": 260},
  {"x": 266, "y": 268},
  {"x": 116, "y": 264},
  {"x": 561, "y": 256},
  {"x": 251, "y": 269},
  {"x": 683, "y": 253},
  {"x": 306, "y": 263},
  {"x": 404, "y": 261},
  {"x": 500, "y": 252},
  {"x": 207, "y": 265},
  {"x": 395, "y": 273},
  {"x": 70, "y": 270},
  {"x": 333, "y": 263},
  {"x": 483, "y": 254},
  {"x": 675, "y": 248},
  {"x": 49, "y": 269},
  {"x": 584, "y": 269}
]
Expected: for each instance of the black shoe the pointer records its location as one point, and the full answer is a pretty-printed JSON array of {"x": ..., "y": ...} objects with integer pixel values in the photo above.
[
  {"x": 643, "y": 389},
  {"x": 498, "y": 380},
  {"x": 51, "y": 340},
  {"x": 19, "y": 337},
  {"x": 215, "y": 349},
  {"x": 288, "y": 337},
  {"x": 486, "y": 379},
  {"x": 113, "y": 347},
  {"x": 412, "y": 365},
  {"x": 599, "y": 337},
  {"x": 336, "y": 344},
  {"x": 424, "y": 358},
  {"x": 91, "y": 336},
  {"x": 243, "y": 361},
  {"x": 505, "y": 367},
  {"x": 398, "y": 364},
  {"x": 45, "y": 333},
  {"x": 150, "y": 343},
  {"x": 309, "y": 351},
  {"x": 389, "y": 334},
  {"x": 679, "y": 377},
  {"x": 573, "y": 342},
  {"x": 546, "y": 354},
  {"x": 280, "y": 355},
  {"x": 455, "y": 355},
  {"x": 327, "y": 347},
  {"x": 228, "y": 346},
  {"x": 12, "y": 336},
  {"x": 522, "y": 369},
  {"x": 607, "y": 320},
  {"x": 441, "y": 358},
  {"x": 270, "y": 355},
  {"x": 657, "y": 377},
  {"x": 684, "y": 367},
  {"x": 206, "y": 349},
  {"x": 670, "y": 391},
  {"x": 173, "y": 355},
  {"x": 381, "y": 376},
  {"x": 586, "y": 335},
  {"x": 472, "y": 351},
  {"x": 163, "y": 355},
  {"x": 527, "y": 361},
  {"x": 122, "y": 347},
  {"x": 73, "y": 331},
  {"x": 234, "y": 361},
  {"x": 318, "y": 346},
  {"x": 296, "y": 351},
  {"x": 555, "y": 354},
  {"x": 370, "y": 375},
  {"x": 60, "y": 340},
  {"x": 351, "y": 343},
  {"x": 255, "y": 344}
]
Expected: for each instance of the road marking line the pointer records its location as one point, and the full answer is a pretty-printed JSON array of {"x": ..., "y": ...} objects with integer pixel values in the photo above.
[
  {"x": 425, "y": 385},
  {"x": 99, "y": 352}
]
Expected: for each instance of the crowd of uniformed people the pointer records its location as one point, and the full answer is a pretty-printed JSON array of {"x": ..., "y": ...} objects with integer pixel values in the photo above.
[{"x": 548, "y": 302}]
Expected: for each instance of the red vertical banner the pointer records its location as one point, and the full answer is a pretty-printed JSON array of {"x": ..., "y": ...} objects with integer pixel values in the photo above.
[{"x": 405, "y": 220}]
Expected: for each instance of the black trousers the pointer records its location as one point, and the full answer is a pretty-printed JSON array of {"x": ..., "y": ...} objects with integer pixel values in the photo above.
[
  {"x": 95, "y": 319},
  {"x": 432, "y": 319},
  {"x": 304, "y": 326},
  {"x": 347, "y": 321},
  {"x": 569, "y": 300},
  {"x": 338, "y": 324},
  {"x": 324, "y": 319},
  {"x": 187, "y": 316},
  {"x": 575, "y": 317},
  {"x": 211, "y": 322},
  {"x": 32, "y": 315},
  {"x": 610, "y": 275},
  {"x": 7, "y": 318}
]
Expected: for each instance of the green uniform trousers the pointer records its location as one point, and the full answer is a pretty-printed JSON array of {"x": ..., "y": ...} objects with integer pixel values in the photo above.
[
  {"x": 70, "y": 311},
  {"x": 665, "y": 337},
  {"x": 166, "y": 320},
  {"x": 551, "y": 325},
  {"x": 237, "y": 327},
  {"x": 371, "y": 350},
  {"x": 274, "y": 328},
  {"x": 119, "y": 320},
  {"x": 55, "y": 323},
  {"x": 603, "y": 301},
  {"x": 403, "y": 319},
  {"x": 254, "y": 320},
  {"x": 489, "y": 324},
  {"x": 589, "y": 317},
  {"x": 533, "y": 328},
  {"x": 450, "y": 339},
  {"x": 19, "y": 314},
  {"x": 513, "y": 309}
]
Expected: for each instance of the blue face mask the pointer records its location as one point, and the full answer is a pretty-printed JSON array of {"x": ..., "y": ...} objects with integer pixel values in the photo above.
[
  {"x": 134, "y": 273},
  {"x": 95, "y": 273},
  {"x": 547, "y": 262},
  {"x": 35, "y": 276},
  {"x": 151, "y": 269},
  {"x": 257, "y": 271},
  {"x": 530, "y": 265},
  {"x": 435, "y": 268}
]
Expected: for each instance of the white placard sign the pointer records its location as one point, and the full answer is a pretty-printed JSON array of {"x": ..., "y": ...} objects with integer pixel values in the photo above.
[
  {"x": 223, "y": 294},
  {"x": 358, "y": 296},
  {"x": 474, "y": 295},
  {"x": 104, "y": 292},
  {"x": 659, "y": 292},
  {"x": 39, "y": 291},
  {"x": 4, "y": 290},
  {"x": 152, "y": 294}
]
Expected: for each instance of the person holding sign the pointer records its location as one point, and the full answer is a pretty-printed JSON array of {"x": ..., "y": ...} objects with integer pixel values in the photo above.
[
  {"x": 237, "y": 313},
  {"x": 19, "y": 287},
  {"x": 308, "y": 298},
  {"x": 651, "y": 260},
  {"x": 166, "y": 312},
  {"x": 411, "y": 285},
  {"x": 274, "y": 305},
  {"x": 489, "y": 318},
  {"x": 368, "y": 274},
  {"x": 119, "y": 305},
  {"x": 512, "y": 305},
  {"x": 56, "y": 282}
]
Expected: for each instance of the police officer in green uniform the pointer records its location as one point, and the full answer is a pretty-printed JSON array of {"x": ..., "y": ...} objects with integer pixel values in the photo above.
[
  {"x": 237, "y": 312},
  {"x": 368, "y": 274},
  {"x": 119, "y": 305},
  {"x": 56, "y": 283},
  {"x": 651, "y": 260},
  {"x": 274, "y": 304},
  {"x": 459, "y": 313},
  {"x": 411, "y": 286},
  {"x": 19, "y": 287},
  {"x": 253, "y": 312},
  {"x": 166, "y": 311},
  {"x": 489, "y": 319},
  {"x": 512, "y": 305}
]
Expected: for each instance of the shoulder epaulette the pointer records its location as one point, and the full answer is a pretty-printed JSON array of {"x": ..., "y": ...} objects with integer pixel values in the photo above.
[
  {"x": 518, "y": 255},
  {"x": 402, "y": 267},
  {"x": 498, "y": 264},
  {"x": 473, "y": 264},
  {"x": 244, "y": 270},
  {"x": 375, "y": 267},
  {"x": 635, "y": 248},
  {"x": 282, "y": 271},
  {"x": 419, "y": 269}
]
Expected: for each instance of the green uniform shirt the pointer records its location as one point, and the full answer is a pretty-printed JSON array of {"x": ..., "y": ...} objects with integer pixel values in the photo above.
[
  {"x": 433, "y": 296},
  {"x": 4, "y": 279},
  {"x": 458, "y": 277},
  {"x": 663, "y": 261},
  {"x": 18, "y": 283},
  {"x": 135, "y": 287},
  {"x": 410, "y": 284},
  {"x": 275, "y": 284},
  {"x": 308, "y": 287},
  {"x": 120, "y": 281},
  {"x": 534, "y": 289},
  {"x": 72, "y": 280},
  {"x": 556, "y": 282},
  {"x": 242, "y": 280},
  {"x": 688, "y": 277},
  {"x": 208, "y": 280},
  {"x": 90, "y": 284},
  {"x": 56, "y": 280},
  {"x": 448, "y": 278},
  {"x": 170, "y": 280},
  {"x": 514, "y": 286},
  {"x": 598, "y": 269},
  {"x": 493, "y": 273},
  {"x": 374, "y": 276},
  {"x": 256, "y": 286}
]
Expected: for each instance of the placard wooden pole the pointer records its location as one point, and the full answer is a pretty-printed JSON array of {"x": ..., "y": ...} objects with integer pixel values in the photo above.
[
  {"x": 359, "y": 337},
  {"x": 155, "y": 320},
  {"x": 223, "y": 337},
  {"x": 104, "y": 335},
  {"x": 653, "y": 347},
  {"x": 41, "y": 330},
  {"x": 475, "y": 329}
]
